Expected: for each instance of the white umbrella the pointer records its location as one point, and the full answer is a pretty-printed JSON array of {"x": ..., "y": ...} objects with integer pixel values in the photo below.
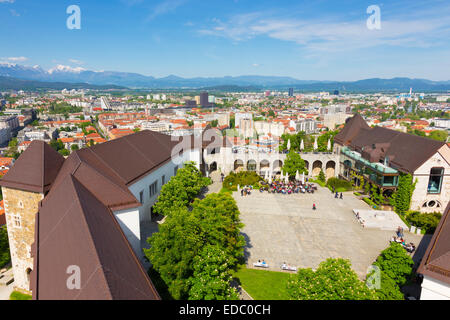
[
  {"x": 297, "y": 176},
  {"x": 238, "y": 188},
  {"x": 270, "y": 179},
  {"x": 289, "y": 144},
  {"x": 302, "y": 145},
  {"x": 315, "y": 144},
  {"x": 303, "y": 178},
  {"x": 286, "y": 178},
  {"x": 329, "y": 145}
]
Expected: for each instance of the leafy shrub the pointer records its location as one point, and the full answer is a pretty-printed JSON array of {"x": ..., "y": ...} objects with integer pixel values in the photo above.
[
  {"x": 389, "y": 290},
  {"x": 339, "y": 184},
  {"x": 333, "y": 280},
  {"x": 396, "y": 263},
  {"x": 242, "y": 178},
  {"x": 4, "y": 247},
  {"x": 15, "y": 295},
  {"x": 370, "y": 203},
  {"x": 424, "y": 221}
]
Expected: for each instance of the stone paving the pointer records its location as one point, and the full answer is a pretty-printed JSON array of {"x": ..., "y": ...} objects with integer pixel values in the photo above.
[{"x": 284, "y": 228}]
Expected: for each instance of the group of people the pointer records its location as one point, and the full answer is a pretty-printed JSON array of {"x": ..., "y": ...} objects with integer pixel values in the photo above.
[
  {"x": 246, "y": 191},
  {"x": 410, "y": 247},
  {"x": 288, "y": 188}
]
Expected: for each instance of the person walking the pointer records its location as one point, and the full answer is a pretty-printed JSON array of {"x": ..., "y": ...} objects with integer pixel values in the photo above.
[
  {"x": 314, "y": 206},
  {"x": 336, "y": 195},
  {"x": 341, "y": 197}
]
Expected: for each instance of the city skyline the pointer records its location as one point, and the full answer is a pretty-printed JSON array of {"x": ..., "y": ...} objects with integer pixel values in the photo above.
[{"x": 190, "y": 38}]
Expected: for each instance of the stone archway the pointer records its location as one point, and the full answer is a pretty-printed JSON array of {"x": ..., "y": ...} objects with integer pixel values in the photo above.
[
  {"x": 238, "y": 165},
  {"x": 317, "y": 166},
  {"x": 251, "y": 165},
  {"x": 330, "y": 170},
  {"x": 277, "y": 164},
  {"x": 213, "y": 167},
  {"x": 264, "y": 166},
  {"x": 307, "y": 166}
]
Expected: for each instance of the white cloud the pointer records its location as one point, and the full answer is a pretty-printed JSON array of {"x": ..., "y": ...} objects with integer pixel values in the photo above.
[
  {"x": 317, "y": 36},
  {"x": 79, "y": 62},
  {"x": 164, "y": 7},
  {"x": 15, "y": 59}
]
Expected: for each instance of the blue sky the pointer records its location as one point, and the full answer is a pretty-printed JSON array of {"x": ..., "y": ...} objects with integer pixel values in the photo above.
[{"x": 310, "y": 40}]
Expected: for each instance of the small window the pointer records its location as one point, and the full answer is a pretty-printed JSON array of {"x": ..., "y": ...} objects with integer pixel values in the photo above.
[
  {"x": 163, "y": 180},
  {"x": 17, "y": 222},
  {"x": 153, "y": 189},
  {"x": 141, "y": 196},
  {"x": 20, "y": 204}
]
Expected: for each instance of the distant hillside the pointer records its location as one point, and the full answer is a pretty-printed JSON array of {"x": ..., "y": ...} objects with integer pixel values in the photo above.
[
  {"x": 8, "y": 83},
  {"x": 112, "y": 79}
]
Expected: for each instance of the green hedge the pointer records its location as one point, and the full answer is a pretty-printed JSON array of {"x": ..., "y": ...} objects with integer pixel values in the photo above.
[
  {"x": 15, "y": 295},
  {"x": 243, "y": 178},
  {"x": 339, "y": 185},
  {"x": 425, "y": 221},
  {"x": 371, "y": 203}
]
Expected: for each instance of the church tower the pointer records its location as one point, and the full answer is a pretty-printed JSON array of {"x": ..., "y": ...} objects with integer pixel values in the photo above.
[{"x": 23, "y": 187}]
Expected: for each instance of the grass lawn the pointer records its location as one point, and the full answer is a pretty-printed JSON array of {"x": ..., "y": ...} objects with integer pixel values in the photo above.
[
  {"x": 262, "y": 284},
  {"x": 19, "y": 296}
]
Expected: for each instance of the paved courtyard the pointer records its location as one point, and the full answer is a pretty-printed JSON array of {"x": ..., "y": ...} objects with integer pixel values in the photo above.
[{"x": 284, "y": 228}]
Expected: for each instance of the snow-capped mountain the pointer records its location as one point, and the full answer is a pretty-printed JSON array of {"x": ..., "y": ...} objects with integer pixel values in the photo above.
[{"x": 69, "y": 74}]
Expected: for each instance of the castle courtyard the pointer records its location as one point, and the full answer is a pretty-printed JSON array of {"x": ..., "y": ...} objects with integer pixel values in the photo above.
[{"x": 284, "y": 228}]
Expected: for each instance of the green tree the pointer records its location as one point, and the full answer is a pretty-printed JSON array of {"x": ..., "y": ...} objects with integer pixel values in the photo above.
[
  {"x": 212, "y": 221},
  {"x": 294, "y": 163},
  {"x": 395, "y": 263},
  {"x": 64, "y": 152},
  {"x": 218, "y": 214},
  {"x": 57, "y": 144},
  {"x": 212, "y": 276},
  {"x": 214, "y": 123},
  {"x": 333, "y": 280},
  {"x": 181, "y": 189},
  {"x": 389, "y": 290},
  {"x": 74, "y": 147},
  {"x": 439, "y": 135},
  {"x": 321, "y": 176},
  {"x": 4, "y": 247}
]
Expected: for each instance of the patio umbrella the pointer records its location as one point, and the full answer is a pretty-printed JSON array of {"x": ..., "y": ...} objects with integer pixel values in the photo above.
[
  {"x": 315, "y": 144},
  {"x": 297, "y": 176},
  {"x": 286, "y": 178},
  {"x": 302, "y": 145},
  {"x": 289, "y": 144},
  {"x": 329, "y": 145},
  {"x": 303, "y": 178}
]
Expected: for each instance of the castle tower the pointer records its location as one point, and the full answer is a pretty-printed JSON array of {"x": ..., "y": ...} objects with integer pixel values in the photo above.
[{"x": 23, "y": 187}]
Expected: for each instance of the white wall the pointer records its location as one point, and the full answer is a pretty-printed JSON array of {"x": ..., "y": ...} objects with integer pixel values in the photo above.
[
  {"x": 422, "y": 174},
  {"x": 433, "y": 289},
  {"x": 131, "y": 219}
]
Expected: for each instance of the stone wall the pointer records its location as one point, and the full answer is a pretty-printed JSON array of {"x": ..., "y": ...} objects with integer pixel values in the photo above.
[
  {"x": 421, "y": 195},
  {"x": 21, "y": 205}
]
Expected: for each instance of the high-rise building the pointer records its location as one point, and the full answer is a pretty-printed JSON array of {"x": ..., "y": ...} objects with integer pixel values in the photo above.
[
  {"x": 291, "y": 92},
  {"x": 204, "y": 99}
]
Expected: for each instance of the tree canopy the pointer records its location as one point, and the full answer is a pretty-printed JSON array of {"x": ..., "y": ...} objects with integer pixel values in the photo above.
[
  {"x": 333, "y": 280},
  {"x": 213, "y": 221},
  {"x": 294, "y": 163}
]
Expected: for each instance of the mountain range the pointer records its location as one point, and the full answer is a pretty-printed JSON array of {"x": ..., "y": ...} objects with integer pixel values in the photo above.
[{"x": 81, "y": 76}]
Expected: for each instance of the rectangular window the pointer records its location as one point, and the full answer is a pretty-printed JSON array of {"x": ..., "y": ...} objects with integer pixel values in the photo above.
[
  {"x": 17, "y": 222},
  {"x": 153, "y": 188},
  {"x": 163, "y": 180},
  {"x": 435, "y": 182},
  {"x": 141, "y": 196}
]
